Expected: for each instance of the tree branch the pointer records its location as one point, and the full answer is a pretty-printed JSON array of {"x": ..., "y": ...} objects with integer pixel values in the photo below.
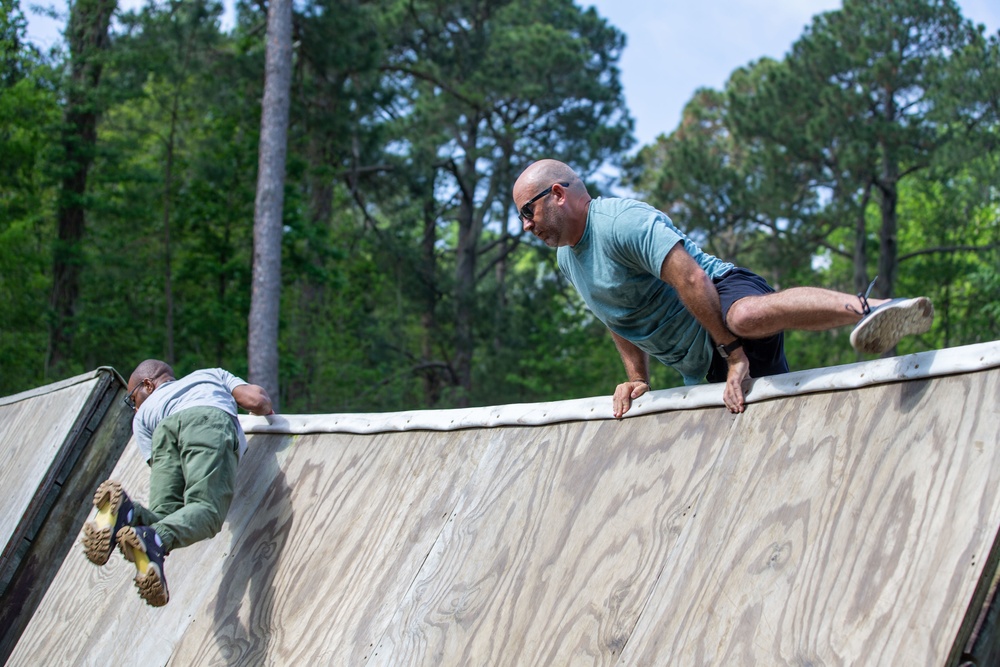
[{"x": 954, "y": 248}]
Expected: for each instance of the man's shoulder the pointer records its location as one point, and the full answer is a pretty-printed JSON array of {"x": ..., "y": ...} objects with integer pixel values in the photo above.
[
  {"x": 620, "y": 204},
  {"x": 210, "y": 373},
  {"x": 218, "y": 377},
  {"x": 618, "y": 212},
  {"x": 614, "y": 206},
  {"x": 207, "y": 371}
]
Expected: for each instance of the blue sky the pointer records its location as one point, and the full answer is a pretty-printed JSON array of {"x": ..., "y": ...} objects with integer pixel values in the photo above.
[
  {"x": 678, "y": 46},
  {"x": 674, "y": 46}
]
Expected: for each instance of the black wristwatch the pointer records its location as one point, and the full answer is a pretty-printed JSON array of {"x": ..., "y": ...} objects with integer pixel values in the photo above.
[{"x": 726, "y": 350}]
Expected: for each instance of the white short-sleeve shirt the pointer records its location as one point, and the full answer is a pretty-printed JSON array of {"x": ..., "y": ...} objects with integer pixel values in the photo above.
[{"x": 209, "y": 387}]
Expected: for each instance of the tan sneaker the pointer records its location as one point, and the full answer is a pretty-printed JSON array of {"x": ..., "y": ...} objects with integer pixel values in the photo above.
[
  {"x": 114, "y": 511},
  {"x": 885, "y": 325},
  {"x": 142, "y": 546}
]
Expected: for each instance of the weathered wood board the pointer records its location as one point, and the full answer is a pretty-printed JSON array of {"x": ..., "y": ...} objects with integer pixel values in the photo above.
[
  {"x": 557, "y": 543},
  {"x": 343, "y": 531},
  {"x": 32, "y": 433},
  {"x": 846, "y": 527},
  {"x": 851, "y": 530},
  {"x": 56, "y": 441}
]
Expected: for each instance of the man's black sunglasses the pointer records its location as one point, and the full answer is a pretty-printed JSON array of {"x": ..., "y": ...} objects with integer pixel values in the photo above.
[{"x": 527, "y": 211}]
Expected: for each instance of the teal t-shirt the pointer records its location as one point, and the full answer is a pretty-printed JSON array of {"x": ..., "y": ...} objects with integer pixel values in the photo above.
[{"x": 616, "y": 269}]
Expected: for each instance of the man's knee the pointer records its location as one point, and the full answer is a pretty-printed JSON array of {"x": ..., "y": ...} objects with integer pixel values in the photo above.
[
  {"x": 210, "y": 520},
  {"x": 214, "y": 524}
]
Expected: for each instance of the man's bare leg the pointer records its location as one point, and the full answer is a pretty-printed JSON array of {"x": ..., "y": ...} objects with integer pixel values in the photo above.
[
  {"x": 877, "y": 327},
  {"x": 803, "y": 308}
]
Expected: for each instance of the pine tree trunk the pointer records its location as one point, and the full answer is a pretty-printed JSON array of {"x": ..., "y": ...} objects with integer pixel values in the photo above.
[{"x": 262, "y": 338}]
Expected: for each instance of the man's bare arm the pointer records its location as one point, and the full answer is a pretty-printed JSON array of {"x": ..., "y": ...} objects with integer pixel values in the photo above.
[
  {"x": 253, "y": 399},
  {"x": 636, "y": 364},
  {"x": 698, "y": 294}
]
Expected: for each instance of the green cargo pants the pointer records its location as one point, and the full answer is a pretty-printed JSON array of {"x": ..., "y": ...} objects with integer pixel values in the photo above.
[{"x": 192, "y": 478}]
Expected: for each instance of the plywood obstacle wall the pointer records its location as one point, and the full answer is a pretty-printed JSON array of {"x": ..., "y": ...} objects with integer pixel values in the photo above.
[
  {"x": 56, "y": 443},
  {"x": 852, "y": 526}
]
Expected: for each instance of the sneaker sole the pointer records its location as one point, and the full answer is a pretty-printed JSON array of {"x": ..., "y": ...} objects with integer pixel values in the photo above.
[
  {"x": 148, "y": 577},
  {"x": 892, "y": 322},
  {"x": 97, "y": 539}
]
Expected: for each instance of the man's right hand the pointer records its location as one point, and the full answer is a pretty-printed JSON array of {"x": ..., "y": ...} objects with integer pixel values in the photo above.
[
  {"x": 739, "y": 372},
  {"x": 625, "y": 393}
]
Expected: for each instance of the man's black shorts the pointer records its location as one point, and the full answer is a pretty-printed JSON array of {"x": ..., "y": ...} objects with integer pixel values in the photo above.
[{"x": 766, "y": 355}]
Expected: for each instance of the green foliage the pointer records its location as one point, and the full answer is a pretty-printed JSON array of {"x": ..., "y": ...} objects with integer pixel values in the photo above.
[
  {"x": 479, "y": 90},
  {"x": 956, "y": 258},
  {"x": 172, "y": 235},
  {"x": 853, "y": 108},
  {"x": 29, "y": 111},
  {"x": 858, "y": 154},
  {"x": 406, "y": 281}
]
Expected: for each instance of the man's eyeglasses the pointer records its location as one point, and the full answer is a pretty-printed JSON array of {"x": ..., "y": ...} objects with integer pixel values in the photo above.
[
  {"x": 527, "y": 211},
  {"x": 129, "y": 399}
]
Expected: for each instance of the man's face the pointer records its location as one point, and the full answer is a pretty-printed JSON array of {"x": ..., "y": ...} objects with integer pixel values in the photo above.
[
  {"x": 139, "y": 393},
  {"x": 540, "y": 215}
]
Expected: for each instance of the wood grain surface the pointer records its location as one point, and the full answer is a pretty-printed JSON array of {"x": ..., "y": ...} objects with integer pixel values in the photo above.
[
  {"x": 32, "y": 433},
  {"x": 840, "y": 528},
  {"x": 851, "y": 530}
]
